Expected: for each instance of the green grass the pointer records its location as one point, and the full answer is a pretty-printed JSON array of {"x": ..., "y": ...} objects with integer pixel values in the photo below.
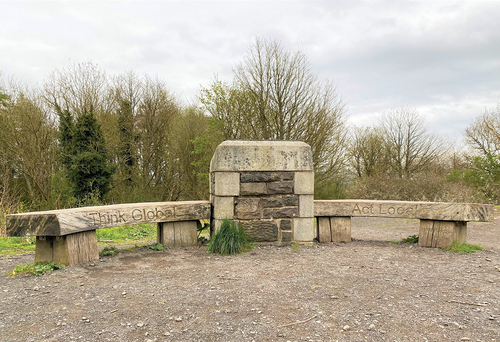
[
  {"x": 36, "y": 268},
  {"x": 395, "y": 242},
  {"x": 17, "y": 245},
  {"x": 230, "y": 239},
  {"x": 463, "y": 248},
  {"x": 117, "y": 235},
  {"x": 295, "y": 246},
  {"x": 126, "y": 234}
]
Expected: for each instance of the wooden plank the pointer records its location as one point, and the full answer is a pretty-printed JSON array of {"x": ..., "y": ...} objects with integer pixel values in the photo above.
[
  {"x": 69, "y": 250},
  {"x": 439, "y": 211},
  {"x": 324, "y": 232},
  {"x": 168, "y": 234},
  {"x": 441, "y": 234},
  {"x": 69, "y": 221},
  {"x": 341, "y": 229},
  {"x": 186, "y": 231}
]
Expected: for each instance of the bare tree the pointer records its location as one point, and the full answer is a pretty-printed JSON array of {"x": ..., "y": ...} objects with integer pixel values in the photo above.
[
  {"x": 275, "y": 95},
  {"x": 27, "y": 145},
  {"x": 410, "y": 147},
  {"x": 80, "y": 88},
  {"x": 484, "y": 133},
  {"x": 368, "y": 152},
  {"x": 156, "y": 115}
]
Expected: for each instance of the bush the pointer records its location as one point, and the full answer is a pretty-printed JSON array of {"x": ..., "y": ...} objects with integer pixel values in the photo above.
[
  {"x": 230, "y": 239},
  {"x": 425, "y": 186}
]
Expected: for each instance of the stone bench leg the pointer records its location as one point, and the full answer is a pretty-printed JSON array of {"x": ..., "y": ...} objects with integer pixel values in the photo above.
[
  {"x": 334, "y": 229},
  {"x": 441, "y": 234},
  {"x": 177, "y": 234},
  {"x": 69, "y": 249}
]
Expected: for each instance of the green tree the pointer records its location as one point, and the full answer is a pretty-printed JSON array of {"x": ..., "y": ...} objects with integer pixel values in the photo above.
[
  {"x": 84, "y": 155},
  {"x": 484, "y": 176}
]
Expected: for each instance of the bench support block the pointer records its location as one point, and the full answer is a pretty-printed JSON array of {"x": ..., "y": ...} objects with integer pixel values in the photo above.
[
  {"x": 177, "y": 234},
  {"x": 69, "y": 249},
  {"x": 441, "y": 234},
  {"x": 334, "y": 229}
]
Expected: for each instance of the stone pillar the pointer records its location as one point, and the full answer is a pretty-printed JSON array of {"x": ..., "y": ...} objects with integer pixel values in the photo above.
[{"x": 267, "y": 186}]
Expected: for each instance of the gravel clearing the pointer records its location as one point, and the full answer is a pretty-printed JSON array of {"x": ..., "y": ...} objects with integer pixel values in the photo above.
[{"x": 368, "y": 290}]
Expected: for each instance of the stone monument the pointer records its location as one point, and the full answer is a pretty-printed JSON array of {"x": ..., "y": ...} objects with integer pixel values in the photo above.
[{"x": 266, "y": 186}]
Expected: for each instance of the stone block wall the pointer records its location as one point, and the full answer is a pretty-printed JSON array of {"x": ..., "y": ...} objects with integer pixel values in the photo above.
[{"x": 267, "y": 186}]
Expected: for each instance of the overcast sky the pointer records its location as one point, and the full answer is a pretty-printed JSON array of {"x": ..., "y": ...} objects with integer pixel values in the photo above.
[{"x": 440, "y": 57}]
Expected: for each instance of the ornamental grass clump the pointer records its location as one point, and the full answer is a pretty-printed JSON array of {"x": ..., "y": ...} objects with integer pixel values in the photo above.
[{"x": 230, "y": 239}]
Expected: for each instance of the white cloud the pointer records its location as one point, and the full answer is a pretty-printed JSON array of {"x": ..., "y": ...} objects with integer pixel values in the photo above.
[{"x": 442, "y": 58}]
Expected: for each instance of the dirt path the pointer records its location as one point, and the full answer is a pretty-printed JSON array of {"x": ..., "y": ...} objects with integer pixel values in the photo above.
[{"x": 368, "y": 290}]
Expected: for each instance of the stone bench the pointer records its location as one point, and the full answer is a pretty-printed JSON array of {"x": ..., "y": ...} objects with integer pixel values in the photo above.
[
  {"x": 440, "y": 223},
  {"x": 69, "y": 236}
]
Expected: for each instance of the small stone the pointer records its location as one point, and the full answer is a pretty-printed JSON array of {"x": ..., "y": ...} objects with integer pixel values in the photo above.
[
  {"x": 346, "y": 328},
  {"x": 36, "y": 288},
  {"x": 167, "y": 334},
  {"x": 371, "y": 327},
  {"x": 140, "y": 324},
  {"x": 465, "y": 339},
  {"x": 178, "y": 319}
]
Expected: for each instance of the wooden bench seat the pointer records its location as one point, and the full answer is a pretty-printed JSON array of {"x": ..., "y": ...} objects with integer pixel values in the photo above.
[
  {"x": 440, "y": 223},
  {"x": 69, "y": 235}
]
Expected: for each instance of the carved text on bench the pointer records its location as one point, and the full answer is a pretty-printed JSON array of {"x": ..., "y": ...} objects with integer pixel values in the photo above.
[{"x": 131, "y": 216}]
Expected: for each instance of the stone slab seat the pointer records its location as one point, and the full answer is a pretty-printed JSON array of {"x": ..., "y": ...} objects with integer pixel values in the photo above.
[
  {"x": 69, "y": 235},
  {"x": 440, "y": 223}
]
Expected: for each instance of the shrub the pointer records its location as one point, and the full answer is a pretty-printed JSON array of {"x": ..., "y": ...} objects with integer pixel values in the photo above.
[
  {"x": 425, "y": 186},
  {"x": 230, "y": 239}
]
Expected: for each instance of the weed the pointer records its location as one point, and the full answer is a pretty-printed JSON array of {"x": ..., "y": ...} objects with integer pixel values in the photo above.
[
  {"x": 230, "y": 239},
  {"x": 155, "y": 247},
  {"x": 295, "y": 246},
  {"x": 411, "y": 239},
  {"x": 395, "y": 242},
  {"x": 37, "y": 268},
  {"x": 109, "y": 250},
  {"x": 463, "y": 248}
]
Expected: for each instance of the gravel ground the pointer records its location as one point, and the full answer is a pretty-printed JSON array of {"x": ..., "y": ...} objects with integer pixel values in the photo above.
[{"x": 368, "y": 290}]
